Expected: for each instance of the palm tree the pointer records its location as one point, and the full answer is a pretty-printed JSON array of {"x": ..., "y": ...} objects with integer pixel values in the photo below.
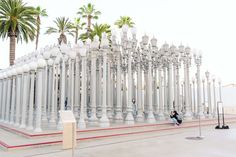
[
  {"x": 98, "y": 29},
  {"x": 16, "y": 22},
  {"x": 124, "y": 20},
  {"x": 90, "y": 13},
  {"x": 76, "y": 26},
  {"x": 40, "y": 13},
  {"x": 64, "y": 26}
]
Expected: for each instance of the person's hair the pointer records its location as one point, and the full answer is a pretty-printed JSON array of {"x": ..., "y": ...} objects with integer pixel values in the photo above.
[{"x": 175, "y": 112}]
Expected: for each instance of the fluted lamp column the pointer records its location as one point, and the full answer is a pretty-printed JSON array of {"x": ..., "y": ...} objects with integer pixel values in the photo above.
[
  {"x": 63, "y": 49},
  {"x": 94, "y": 47},
  {"x": 116, "y": 50},
  {"x": 82, "y": 51},
  {"x": 1, "y": 93},
  {"x": 25, "y": 95},
  {"x": 8, "y": 102},
  {"x": 214, "y": 98},
  {"x": 41, "y": 65},
  {"x": 187, "y": 60},
  {"x": 18, "y": 94},
  {"x": 140, "y": 116},
  {"x": 104, "y": 121},
  {"x": 209, "y": 94},
  {"x": 33, "y": 67}
]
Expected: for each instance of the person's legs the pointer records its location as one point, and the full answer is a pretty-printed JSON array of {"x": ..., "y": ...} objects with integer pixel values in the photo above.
[{"x": 174, "y": 121}]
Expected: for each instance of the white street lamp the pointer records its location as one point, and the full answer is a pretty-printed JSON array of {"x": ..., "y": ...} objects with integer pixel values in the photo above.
[{"x": 209, "y": 94}]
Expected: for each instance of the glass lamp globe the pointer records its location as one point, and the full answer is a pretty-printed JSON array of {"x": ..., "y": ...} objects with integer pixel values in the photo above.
[
  {"x": 125, "y": 28},
  {"x": 133, "y": 31},
  {"x": 145, "y": 39},
  {"x": 82, "y": 51},
  {"x": 154, "y": 41}
]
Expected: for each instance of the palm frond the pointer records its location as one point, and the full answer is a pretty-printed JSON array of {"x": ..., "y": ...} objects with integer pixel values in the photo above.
[{"x": 51, "y": 30}]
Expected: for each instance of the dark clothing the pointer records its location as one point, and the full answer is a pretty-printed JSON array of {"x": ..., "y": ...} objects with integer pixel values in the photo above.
[{"x": 176, "y": 116}]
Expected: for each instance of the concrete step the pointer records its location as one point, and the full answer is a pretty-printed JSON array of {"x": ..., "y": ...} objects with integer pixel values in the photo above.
[{"x": 9, "y": 140}]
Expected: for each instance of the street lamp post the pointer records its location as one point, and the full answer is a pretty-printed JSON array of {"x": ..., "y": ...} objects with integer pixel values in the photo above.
[
  {"x": 209, "y": 94},
  {"x": 194, "y": 99},
  {"x": 104, "y": 121},
  {"x": 117, "y": 52},
  {"x": 81, "y": 121},
  {"x": 187, "y": 61},
  {"x": 200, "y": 109},
  {"x": 94, "y": 50},
  {"x": 13, "y": 96},
  {"x": 63, "y": 49},
  {"x": 214, "y": 97},
  {"x": 41, "y": 64}
]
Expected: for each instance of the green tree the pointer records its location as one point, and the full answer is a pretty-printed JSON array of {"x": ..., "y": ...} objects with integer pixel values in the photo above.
[
  {"x": 17, "y": 21},
  {"x": 76, "y": 26},
  {"x": 124, "y": 20},
  {"x": 89, "y": 12},
  {"x": 40, "y": 13},
  {"x": 64, "y": 26},
  {"x": 98, "y": 29}
]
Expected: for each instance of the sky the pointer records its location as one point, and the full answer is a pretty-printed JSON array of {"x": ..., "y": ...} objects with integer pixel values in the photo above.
[{"x": 208, "y": 26}]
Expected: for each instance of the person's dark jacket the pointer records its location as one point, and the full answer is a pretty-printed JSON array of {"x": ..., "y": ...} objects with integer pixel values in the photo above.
[{"x": 176, "y": 116}]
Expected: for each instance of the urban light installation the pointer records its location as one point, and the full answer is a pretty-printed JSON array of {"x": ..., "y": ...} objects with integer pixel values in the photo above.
[{"x": 103, "y": 66}]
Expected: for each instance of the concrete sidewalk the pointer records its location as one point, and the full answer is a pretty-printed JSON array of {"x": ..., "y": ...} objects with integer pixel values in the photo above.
[{"x": 217, "y": 143}]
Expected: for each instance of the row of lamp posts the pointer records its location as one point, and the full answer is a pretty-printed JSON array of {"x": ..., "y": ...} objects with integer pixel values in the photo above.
[{"x": 91, "y": 79}]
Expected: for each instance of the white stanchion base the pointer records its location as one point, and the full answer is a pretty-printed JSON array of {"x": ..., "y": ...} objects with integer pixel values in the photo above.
[
  {"x": 81, "y": 124},
  {"x": 188, "y": 116},
  {"x": 161, "y": 116},
  {"x": 129, "y": 118},
  {"x": 38, "y": 130},
  {"x": 30, "y": 128},
  {"x": 150, "y": 117},
  {"x": 118, "y": 117},
  {"x": 104, "y": 121}
]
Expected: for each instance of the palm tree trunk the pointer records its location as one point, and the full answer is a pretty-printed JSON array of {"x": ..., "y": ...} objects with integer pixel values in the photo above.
[
  {"x": 12, "y": 49},
  {"x": 76, "y": 35},
  {"x": 62, "y": 39},
  {"x": 37, "y": 38},
  {"x": 89, "y": 24},
  {"x": 37, "y": 35}
]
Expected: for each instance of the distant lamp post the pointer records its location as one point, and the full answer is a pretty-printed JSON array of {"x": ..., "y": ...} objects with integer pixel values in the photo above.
[
  {"x": 104, "y": 121},
  {"x": 186, "y": 57},
  {"x": 220, "y": 96},
  {"x": 209, "y": 94},
  {"x": 198, "y": 62},
  {"x": 82, "y": 51},
  {"x": 214, "y": 97}
]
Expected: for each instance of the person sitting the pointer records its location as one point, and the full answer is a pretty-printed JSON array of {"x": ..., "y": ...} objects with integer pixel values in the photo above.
[{"x": 175, "y": 117}]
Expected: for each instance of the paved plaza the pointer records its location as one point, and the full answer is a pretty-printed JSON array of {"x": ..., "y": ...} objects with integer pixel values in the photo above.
[{"x": 168, "y": 141}]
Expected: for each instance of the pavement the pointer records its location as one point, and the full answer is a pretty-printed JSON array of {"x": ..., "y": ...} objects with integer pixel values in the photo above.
[{"x": 174, "y": 142}]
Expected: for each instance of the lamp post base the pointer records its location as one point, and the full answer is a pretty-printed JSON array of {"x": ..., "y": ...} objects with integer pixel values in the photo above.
[
  {"x": 129, "y": 118},
  {"x": 161, "y": 116},
  {"x": 81, "y": 124},
  {"x": 188, "y": 116},
  {"x": 139, "y": 117},
  {"x": 150, "y": 117},
  {"x": 37, "y": 130},
  {"x": 118, "y": 117},
  {"x": 104, "y": 121}
]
